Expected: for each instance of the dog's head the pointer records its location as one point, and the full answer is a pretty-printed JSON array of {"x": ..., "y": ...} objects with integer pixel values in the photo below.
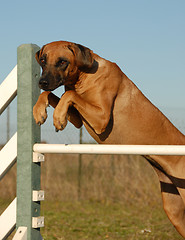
[{"x": 61, "y": 63}]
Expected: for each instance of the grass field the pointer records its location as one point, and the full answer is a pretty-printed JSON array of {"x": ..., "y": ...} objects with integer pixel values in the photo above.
[
  {"x": 109, "y": 221},
  {"x": 104, "y": 221}
]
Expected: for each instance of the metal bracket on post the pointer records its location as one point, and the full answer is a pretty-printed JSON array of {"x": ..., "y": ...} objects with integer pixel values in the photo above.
[
  {"x": 38, "y": 196},
  {"x": 37, "y": 222},
  {"x": 38, "y": 157}
]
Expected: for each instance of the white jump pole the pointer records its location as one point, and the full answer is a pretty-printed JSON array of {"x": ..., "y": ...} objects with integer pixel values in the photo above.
[{"x": 111, "y": 149}]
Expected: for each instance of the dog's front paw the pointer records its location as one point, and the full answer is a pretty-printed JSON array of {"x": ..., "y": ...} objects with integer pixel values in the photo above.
[
  {"x": 39, "y": 114},
  {"x": 59, "y": 121}
]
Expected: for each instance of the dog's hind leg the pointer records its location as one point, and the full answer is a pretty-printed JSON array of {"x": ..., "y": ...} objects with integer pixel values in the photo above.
[{"x": 172, "y": 202}]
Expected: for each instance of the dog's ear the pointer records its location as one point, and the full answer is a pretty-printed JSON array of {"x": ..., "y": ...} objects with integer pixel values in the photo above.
[
  {"x": 37, "y": 56},
  {"x": 83, "y": 56}
]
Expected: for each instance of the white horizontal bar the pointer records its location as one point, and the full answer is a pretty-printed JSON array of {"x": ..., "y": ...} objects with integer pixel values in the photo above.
[
  {"x": 8, "y": 89},
  {"x": 110, "y": 149},
  {"x": 8, "y": 155},
  {"x": 8, "y": 220}
]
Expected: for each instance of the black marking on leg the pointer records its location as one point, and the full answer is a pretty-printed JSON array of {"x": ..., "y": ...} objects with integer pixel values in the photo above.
[
  {"x": 169, "y": 188},
  {"x": 178, "y": 182}
]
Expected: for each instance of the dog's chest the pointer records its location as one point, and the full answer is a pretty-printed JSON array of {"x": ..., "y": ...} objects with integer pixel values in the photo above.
[{"x": 86, "y": 90}]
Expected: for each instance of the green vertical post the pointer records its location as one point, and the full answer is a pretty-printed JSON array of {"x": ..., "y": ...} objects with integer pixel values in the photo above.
[{"x": 28, "y": 173}]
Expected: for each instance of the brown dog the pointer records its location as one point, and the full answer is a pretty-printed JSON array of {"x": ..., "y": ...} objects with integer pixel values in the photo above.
[{"x": 114, "y": 111}]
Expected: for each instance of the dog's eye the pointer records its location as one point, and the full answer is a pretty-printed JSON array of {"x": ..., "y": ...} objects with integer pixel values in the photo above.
[
  {"x": 62, "y": 63},
  {"x": 43, "y": 61}
]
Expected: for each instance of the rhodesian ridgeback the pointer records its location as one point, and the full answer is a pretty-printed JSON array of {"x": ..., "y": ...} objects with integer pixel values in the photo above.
[{"x": 113, "y": 110}]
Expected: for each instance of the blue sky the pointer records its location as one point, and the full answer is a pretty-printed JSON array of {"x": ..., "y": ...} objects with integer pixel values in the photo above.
[{"x": 146, "y": 38}]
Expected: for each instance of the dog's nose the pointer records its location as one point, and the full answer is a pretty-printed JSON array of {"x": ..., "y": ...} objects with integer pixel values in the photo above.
[{"x": 43, "y": 82}]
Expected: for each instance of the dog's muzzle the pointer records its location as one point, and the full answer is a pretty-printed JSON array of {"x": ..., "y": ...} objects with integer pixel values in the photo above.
[{"x": 48, "y": 82}]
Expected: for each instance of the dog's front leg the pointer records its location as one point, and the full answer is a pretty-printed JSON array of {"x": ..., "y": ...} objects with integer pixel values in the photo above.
[
  {"x": 47, "y": 98},
  {"x": 96, "y": 115},
  {"x": 60, "y": 115},
  {"x": 39, "y": 110}
]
